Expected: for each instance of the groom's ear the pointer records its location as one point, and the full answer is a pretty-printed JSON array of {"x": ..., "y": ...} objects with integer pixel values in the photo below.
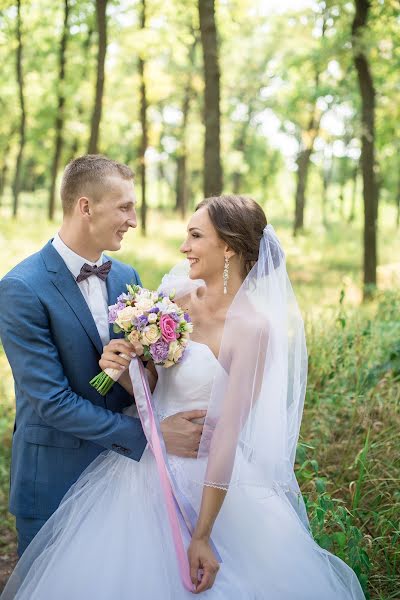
[{"x": 83, "y": 206}]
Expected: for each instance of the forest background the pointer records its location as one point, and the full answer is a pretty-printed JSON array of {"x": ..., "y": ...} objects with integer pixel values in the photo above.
[{"x": 293, "y": 103}]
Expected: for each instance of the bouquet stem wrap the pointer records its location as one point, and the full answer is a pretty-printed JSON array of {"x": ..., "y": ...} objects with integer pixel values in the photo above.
[
  {"x": 104, "y": 381},
  {"x": 182, "y": 516}
]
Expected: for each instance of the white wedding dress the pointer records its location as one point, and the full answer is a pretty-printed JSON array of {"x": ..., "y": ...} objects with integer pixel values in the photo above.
[{"x": 110, "y": 539}]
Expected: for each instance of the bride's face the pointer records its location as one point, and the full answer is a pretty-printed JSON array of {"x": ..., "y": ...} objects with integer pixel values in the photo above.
[{"x": 203, "y": 248}]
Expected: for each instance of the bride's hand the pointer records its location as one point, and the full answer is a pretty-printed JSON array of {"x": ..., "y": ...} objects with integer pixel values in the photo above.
[{"x": 201, "y": 558}]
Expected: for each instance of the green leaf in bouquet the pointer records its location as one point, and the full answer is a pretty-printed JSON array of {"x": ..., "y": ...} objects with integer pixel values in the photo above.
[{"x": 146, "y": 353}]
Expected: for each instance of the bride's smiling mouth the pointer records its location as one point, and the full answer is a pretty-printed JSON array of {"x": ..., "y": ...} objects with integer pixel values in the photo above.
[{"x": 193, "y": 261}]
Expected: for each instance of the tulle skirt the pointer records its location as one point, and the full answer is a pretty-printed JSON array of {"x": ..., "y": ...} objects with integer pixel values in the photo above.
[{"x": 110, "y": 540}]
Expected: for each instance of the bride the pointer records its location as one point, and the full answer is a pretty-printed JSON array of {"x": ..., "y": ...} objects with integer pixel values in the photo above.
[{"x": 246, "y": 365}]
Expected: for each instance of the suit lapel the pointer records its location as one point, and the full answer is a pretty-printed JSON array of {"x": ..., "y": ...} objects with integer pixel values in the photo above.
[{"x": 64, "y": 281}]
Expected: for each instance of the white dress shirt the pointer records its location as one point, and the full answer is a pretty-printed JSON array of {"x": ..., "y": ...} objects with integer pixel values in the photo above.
[{"x": 93, "y": 289}]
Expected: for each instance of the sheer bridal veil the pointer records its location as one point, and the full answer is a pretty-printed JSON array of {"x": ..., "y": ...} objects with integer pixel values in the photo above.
[{"x": 254, "y": 414}]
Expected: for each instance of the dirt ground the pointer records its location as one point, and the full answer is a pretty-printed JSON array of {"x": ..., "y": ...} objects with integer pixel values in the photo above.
[{"x": 8, "y": 560}]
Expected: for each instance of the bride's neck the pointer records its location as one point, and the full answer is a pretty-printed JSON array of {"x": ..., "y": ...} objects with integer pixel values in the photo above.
[{"x": 213, "y": 294}]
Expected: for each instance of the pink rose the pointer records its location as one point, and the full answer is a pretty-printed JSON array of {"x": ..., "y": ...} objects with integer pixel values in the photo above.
[{"x": 167, "y": 326}]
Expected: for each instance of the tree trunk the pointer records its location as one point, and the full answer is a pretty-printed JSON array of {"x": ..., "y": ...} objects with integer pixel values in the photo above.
[
  {"x": 303, "y": 165},
  {"x": 212, "y": 176},
  {"x": 5, "y": 165},
  {"x": 101, "y": 8},
  {"x": 16, "y": 187},
  {"x": 182, "y": 192},
  {"x": 73, "y": 144},
  {"x": 143, "y": 123},
  {"x": 240, "y": 146},
  {"x": 326, "y": 181},
  {"x": 354, "y": 194},
  {"x": 370, "y": 189},
  {"x": 60, "y": 113},
  {"x": 3, "y": 174}
]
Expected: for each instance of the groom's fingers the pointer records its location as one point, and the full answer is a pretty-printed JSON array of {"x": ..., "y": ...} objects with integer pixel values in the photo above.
[
  {"x": 117, "y": 359},
  {"x": 116, "y": 346},
  {"x": 112, "y": 355},
  {"x": 190, "y": 415}
]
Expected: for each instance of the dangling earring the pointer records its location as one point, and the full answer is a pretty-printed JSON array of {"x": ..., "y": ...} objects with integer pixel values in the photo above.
[{"x": 226, "y": 275}]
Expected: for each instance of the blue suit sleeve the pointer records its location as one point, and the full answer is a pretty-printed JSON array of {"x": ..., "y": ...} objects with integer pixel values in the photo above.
[
  {"x": 39, "y": 376},
  {"x": 137, "y": 278}
]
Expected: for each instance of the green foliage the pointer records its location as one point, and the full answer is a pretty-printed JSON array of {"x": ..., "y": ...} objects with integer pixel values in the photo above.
[
  {"x": 349, "y": 466},
  {"x": 276, "y": 69}
]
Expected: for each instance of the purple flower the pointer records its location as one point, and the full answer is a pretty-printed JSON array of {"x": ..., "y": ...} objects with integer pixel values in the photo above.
[
  {"x": 123, "y": 297},
  {"x": 112, "y": 313},
  {"x": 155, "y": 309},
  {"x": 187, "y": 318},
  {"x": 141, "y": 322},
  {"x": 114, "y": 310},
  {"x": 159, "y": 350},
  {"x": 175, "y": 317}
]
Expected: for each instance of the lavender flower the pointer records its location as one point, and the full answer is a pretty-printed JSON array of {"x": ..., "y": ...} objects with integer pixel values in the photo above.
[
  {"x": 114, "y": 310},
  {"x": 175, "y": 317},
  {"x": 159, "y": 350},
  {"x": 141, "y": 322},
  {"x": 155, "y": 309},
  {"x": 186, "y": 317},
  {"x": 124, "y": 297}
]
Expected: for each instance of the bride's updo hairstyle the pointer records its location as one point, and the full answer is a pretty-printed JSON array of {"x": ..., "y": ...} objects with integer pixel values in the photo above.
[{"x": 238, "y": 221}]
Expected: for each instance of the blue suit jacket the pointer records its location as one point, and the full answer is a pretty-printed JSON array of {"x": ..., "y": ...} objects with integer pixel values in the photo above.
[{"x": 53, "y": 347}]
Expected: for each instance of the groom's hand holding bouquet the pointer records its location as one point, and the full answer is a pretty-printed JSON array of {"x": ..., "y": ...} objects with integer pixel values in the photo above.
[{"x": 156, "y": 327}]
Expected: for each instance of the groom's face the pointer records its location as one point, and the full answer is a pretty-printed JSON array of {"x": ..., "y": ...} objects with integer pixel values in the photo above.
[{"x": 112, "y": 214}]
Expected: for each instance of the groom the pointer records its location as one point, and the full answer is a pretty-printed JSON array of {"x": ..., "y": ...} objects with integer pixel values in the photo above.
[{"x": 53, "y": 326}]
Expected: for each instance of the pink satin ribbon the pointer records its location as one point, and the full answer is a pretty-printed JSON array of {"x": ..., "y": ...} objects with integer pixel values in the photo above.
[{"x": 176, "y": 513}]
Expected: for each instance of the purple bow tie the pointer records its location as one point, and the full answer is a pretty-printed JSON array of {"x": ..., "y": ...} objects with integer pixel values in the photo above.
[{"x": 88, "y": 270}]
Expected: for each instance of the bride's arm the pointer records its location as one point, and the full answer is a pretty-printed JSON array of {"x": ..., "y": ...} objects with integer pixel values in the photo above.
[
  {"x": 240, "y": 393},
  {"x": 200, "y": 554}
]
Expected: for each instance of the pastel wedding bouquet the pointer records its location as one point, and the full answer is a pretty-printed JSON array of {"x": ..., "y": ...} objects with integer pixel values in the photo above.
[{"x": 154, "y": 320}]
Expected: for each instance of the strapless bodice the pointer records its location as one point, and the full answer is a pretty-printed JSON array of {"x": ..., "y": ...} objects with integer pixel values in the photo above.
[{"x": 187, "y": 385}]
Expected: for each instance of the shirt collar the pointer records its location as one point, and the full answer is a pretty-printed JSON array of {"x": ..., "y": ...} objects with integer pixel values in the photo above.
[{"x": 73, "y": 261}]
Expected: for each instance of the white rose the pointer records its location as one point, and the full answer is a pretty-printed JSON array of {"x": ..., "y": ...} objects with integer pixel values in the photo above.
[
  {"x": 152, "y": 317},
  {"x": 144, "y": 304},
  {"x": 133, "y": 337},
  {"x": 125, "y": 316},
  {"x": 175, "y": 351},
  {"x": 150, "y": 334}
]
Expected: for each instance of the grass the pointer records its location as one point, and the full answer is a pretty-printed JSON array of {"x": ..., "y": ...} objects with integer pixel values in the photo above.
[{"x": 348, "y": 461}]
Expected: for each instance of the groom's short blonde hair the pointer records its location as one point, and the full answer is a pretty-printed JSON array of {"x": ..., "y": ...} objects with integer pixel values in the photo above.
[{"x": 87, "y": 176}]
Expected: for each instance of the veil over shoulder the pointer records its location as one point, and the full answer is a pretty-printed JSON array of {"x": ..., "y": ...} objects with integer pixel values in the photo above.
[{"x": 256, "y": 403}]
